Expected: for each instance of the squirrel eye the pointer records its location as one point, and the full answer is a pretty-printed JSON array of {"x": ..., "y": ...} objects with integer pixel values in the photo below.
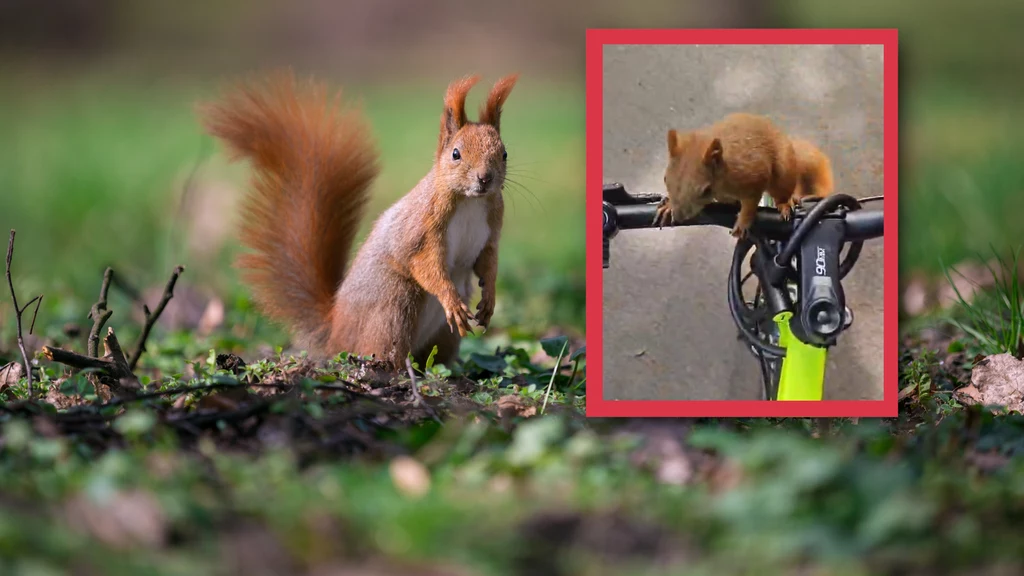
[
  {"x": 455, "y": 154},
  {"x": 706, "y": 191},
  {"x": 504, "y": 154}
]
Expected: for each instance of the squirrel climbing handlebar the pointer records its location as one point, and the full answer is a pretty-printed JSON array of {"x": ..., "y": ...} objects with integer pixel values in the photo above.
[
  {"x": 636, "y": 212},
  {"x": 804, "y": 249}
]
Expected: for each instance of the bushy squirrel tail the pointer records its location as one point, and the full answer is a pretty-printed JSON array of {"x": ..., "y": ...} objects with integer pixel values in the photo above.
[
  {"x": 815, "y": 169},
  {"x": 313, "y": 160}
]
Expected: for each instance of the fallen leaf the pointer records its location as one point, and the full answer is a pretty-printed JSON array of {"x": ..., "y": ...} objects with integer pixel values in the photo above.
[
  {"x": 410, "y": 476},
  {"x": 60, "y": 400},
  {"x": 970, "y": 393},
  {"x": 512, "y": 405},
  {"x": 10, "y": 374},
  {"x": 999, "y": 381},
  {"x": 906, "y": 391}
]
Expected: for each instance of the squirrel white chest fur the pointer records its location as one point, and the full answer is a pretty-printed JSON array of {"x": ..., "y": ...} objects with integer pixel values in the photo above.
[
  {"x": 467, "y": 234},
  {"x": 466, "y": 237}
]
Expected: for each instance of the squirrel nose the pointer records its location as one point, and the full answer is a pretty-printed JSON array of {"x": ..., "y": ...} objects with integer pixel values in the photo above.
[{"x": 485, "y": 178}]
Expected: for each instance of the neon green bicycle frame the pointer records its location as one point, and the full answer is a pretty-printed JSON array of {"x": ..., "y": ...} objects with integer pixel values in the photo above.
[{"x": 802, "y": 370}]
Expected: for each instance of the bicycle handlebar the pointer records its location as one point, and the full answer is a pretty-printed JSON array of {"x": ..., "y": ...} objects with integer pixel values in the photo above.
[{"x": 860, "y": 224}]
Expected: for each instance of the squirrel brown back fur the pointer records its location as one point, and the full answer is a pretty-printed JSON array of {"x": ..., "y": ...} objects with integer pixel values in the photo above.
[{"x": 313, "y": 161}]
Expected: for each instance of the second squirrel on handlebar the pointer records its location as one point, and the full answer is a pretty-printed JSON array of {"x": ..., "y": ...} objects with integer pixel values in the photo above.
[{"x": 738, "y": 159}]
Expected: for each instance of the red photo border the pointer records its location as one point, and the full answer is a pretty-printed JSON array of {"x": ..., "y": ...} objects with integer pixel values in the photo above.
[{"x": 597, "y": 406}]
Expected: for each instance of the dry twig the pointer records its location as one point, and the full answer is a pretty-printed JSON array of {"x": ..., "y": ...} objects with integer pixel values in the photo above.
[
  {"x": 152, "y": 317},
  {"x": 99, "y": 314},
  {"x": 118, "y": 371},
  {"x": 18, "y": 313},
  {"x": 113, "y": 364}
]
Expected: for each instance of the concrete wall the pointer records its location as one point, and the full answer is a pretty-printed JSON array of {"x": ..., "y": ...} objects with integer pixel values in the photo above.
[{"x": 667, "y": 329}]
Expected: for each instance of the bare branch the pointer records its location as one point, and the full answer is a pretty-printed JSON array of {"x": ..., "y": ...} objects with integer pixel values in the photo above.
[
  {"x": 99, "y": 314},
  {"x": 17, "y": 315},
  {"x": 152, "y": 317},
  {"x": 29, "y": 303},
  {"x": 35, "y": 312},
  {"x": 79, "y": 361}
]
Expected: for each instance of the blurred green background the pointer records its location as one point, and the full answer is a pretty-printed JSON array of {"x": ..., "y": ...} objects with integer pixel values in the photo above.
[
  {"x": 102, "y": 161},
  {"x": 98, "y": 138}
]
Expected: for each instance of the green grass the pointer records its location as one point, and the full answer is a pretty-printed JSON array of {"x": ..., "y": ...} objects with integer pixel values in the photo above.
[{"x": 995, "y": 319}]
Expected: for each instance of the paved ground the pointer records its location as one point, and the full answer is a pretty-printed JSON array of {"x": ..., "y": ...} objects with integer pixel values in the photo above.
[{"x": 667, "y": 329}]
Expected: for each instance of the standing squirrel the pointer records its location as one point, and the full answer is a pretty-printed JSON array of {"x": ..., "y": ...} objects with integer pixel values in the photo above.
[
  {"x": 410, "y": 283},
  {"x": 736, "y": 160}
]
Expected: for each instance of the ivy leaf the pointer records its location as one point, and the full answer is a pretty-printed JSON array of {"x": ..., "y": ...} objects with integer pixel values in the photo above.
[
  {"x": 491, "y": 363},
  {"x": 554, "y": 346}
]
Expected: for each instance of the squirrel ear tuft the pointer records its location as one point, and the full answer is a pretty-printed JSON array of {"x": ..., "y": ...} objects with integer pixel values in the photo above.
[
  {"x": 713, "y": 155},
  {"x": 454, "y": 116},
  {"x": 490, "y": 110}
]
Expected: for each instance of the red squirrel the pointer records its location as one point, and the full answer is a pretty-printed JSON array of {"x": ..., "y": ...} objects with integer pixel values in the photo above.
[
  {"x": 409, "y": 284},
  {"x": 736, "y": 160}
]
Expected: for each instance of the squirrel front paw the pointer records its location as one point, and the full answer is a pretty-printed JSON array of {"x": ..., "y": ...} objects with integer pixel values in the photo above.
[
  {"x": 663, "y": 217},
  {"x": 457, "y": 313},
  {"x": 786, "y": 210},
  {"x": 485, "y": 309},
  {"x": 739, "y": 231}
]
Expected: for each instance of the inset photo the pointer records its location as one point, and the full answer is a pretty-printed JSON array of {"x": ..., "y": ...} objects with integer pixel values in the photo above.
[{"x": 746, "y": 184}]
